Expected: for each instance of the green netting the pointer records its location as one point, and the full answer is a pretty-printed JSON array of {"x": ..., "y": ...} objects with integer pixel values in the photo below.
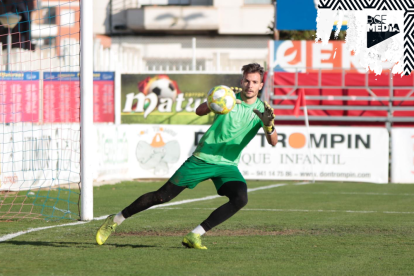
[{"x": 39, "y": 110}]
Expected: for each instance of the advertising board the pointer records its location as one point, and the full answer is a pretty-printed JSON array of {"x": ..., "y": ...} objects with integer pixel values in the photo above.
[
  {"x": 337, "y": 153},
  {"x": 51, "y": 155},
  {"x": 19, "y": 97},
  {"x": 61, "y": 97},
  {"x": 168, "y": 99},
  {"x": 402, "y": 157},
  {"x": 36, "y": 156},
  {"x": 103, "y": 97},
  {"x": 308, "y": 56}
]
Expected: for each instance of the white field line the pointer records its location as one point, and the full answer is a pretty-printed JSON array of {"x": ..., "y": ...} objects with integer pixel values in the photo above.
[
  {"x": 351, "y": 193},
  {"x": 14, "y": 235},
  {"x": 11, "y": 236},
  {"x": 300, "y": 210}
]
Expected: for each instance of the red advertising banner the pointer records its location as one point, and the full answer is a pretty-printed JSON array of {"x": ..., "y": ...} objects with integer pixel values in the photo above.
[
  {"x": 103, "y": 97},
  {"x": 19, "y": 93},
  {"x": 308, "y": 56},
  {"x": 61, "y": 97}
]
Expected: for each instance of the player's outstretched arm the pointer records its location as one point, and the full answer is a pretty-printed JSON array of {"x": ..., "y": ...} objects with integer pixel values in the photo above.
[
  {"x": 203, "y": 109},
  {"x": 268, "y": 119}
]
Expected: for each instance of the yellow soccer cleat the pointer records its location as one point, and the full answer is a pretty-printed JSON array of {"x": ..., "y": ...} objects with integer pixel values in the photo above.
[
  {"x": 193, "y": 240},
  {"x": 107, "y": 228}
]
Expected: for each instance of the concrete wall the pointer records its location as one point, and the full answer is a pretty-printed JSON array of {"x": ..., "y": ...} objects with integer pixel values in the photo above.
[
  {"x": 101, "y": 16},
  {"x": 231, "y": 17}
]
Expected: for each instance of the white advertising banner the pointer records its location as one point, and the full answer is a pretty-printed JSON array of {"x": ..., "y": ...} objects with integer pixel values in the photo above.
[
  {"x": 337, "y": 153},
  {"x": 143, "y": 151},
  {"x": 35, "y": 156},
  {"x": 402, "y": 157},
  {"x": 112, "y": 146}
]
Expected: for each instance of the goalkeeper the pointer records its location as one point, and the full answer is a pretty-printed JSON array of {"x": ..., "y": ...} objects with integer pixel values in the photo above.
[{"x": 215, "y": 158}]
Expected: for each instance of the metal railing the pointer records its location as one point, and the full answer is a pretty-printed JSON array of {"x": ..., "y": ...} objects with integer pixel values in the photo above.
[
  {"x": 185, "y": 55},
  {"x": 386, "y": 102}
]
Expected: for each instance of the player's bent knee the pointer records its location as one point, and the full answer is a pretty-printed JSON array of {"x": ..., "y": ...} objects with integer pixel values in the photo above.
[
  {"x": 240, "y": 200},
  {"x": 236, "y": 191}
]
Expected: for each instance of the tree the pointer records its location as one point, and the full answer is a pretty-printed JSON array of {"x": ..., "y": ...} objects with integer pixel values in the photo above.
[{"x": 299, "y": 35}]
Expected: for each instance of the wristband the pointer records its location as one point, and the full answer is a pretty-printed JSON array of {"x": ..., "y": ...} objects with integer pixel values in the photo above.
[{"x": 268, "y": 129}]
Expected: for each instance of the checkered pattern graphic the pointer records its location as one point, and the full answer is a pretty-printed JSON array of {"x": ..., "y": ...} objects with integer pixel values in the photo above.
[{"x": 383, "y": 5}]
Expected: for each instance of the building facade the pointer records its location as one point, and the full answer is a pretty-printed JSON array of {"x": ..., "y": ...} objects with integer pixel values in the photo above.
[{"x": 181, "y": 35}]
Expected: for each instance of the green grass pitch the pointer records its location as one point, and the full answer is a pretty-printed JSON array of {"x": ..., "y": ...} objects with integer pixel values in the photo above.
[{"x": 313, "y": 229}]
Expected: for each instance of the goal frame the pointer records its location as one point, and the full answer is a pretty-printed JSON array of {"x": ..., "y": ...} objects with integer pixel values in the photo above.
[{"x": 86, "y": 112}]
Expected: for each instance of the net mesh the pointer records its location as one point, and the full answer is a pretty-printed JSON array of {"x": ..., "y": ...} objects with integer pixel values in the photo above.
[{"x": 40, "y": 109}]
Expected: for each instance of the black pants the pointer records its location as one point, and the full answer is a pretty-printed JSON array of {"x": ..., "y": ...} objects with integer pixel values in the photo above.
[{"x": 236, "y": 191}]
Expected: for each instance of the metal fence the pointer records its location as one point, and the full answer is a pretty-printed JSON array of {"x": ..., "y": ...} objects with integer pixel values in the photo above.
[
  {"x": 171, "y": 54},
  {"x": 387, "y": 103},
  {"x": 44, "y": 58}
]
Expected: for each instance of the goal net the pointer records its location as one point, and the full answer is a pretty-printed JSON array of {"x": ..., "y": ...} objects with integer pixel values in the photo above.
[{"x": 40, "y": 109}]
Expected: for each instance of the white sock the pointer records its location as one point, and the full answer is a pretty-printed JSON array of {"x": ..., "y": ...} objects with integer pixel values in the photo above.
[
  {"x": 199, "y": 230},
  {"x": 119, "y": 218}
]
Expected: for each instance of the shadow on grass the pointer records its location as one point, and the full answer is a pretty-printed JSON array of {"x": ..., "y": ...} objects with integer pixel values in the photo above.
[{"x": 73, "y": 244}]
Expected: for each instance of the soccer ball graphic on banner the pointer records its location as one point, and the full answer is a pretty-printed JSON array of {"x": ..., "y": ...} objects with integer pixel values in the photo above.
[
  {"x": 221, "y": 99},
  {"x": 163, "y": 88}
]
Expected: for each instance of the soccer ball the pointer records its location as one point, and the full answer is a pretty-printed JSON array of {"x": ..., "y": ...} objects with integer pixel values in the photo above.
[
  {"x": 163, "y": 88},
  {"x": 221, "y": 99}
]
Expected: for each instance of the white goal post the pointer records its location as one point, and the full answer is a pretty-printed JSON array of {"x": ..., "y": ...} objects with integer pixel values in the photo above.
[{"x": 86, "y": 118}]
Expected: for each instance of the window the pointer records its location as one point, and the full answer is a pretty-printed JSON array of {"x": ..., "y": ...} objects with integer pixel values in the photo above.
[
  {"x": 201, "y": 2},
  {"x": 177, "y": 2},
  {"x": 46, "y": 43},
  {"x": 67, "y": 17},
  {"x": 258, "y": 2},
  {"x": 152, "y": 2},
  {"x": 50, "y": 16}
]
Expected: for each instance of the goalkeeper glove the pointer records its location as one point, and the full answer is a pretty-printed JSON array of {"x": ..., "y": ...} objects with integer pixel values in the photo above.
[
  {"x": 236, "y": 91},
  {"x": 267, "y": 118}
]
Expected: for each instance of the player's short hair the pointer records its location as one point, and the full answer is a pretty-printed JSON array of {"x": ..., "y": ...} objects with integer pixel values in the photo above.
[{"x": 253, "y": 68}]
